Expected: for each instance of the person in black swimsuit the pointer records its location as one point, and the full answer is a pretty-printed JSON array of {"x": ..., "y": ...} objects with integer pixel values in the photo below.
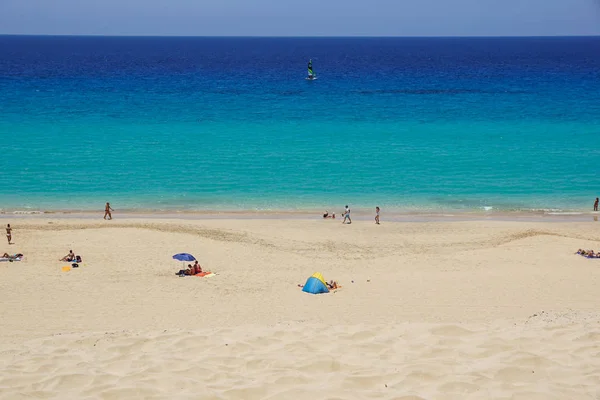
[{"x": 9, "y": 233}]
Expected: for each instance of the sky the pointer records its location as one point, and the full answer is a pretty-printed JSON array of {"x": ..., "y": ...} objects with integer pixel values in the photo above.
[{"x": 301, "y": 18}]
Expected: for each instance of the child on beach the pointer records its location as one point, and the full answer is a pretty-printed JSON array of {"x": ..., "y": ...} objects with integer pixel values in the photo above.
[
  {"x": 596, "y": 205},
  {"x": 377, "y": 215}
]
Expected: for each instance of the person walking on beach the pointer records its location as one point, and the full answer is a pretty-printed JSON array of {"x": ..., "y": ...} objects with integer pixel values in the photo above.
[
  {"x": 596, "y": 205},
  {"x": 377, "y": 215},
  {"x": 347, "y": 215},
  {"x": 107, "y": 211},
  {"x": 9, "y": 233}
]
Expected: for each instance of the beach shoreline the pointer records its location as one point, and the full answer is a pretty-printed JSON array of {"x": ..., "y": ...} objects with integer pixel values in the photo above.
[{"x": 358, "y": 215}]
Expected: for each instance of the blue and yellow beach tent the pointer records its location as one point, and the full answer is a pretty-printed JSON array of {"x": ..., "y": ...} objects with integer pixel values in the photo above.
[{"x": 315, "y": 284}]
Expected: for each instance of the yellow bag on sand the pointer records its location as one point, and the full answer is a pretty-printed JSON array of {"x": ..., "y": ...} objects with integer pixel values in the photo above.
[{"x": 66, "y": 269}]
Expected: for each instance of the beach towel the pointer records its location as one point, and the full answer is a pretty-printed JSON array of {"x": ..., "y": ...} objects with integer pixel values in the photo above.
[{"x": 206, "y": 274}]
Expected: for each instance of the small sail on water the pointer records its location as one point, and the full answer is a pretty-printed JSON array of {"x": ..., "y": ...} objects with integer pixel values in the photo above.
[{"x": 311, "y": 74}]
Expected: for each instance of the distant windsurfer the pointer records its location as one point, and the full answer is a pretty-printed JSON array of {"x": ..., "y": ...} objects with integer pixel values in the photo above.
[{"x": 311, "y": 74}]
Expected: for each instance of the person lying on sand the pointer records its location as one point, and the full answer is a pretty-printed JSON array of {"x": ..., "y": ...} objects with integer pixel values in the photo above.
[
  {"x": 12, "y": 257},
  {"x": 332, "y": 284},
  {"x": 588, "y": 253},
  {"x": 68, "y": 257}
]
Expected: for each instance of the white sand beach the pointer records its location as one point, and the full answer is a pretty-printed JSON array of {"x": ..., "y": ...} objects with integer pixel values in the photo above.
[{"x": 435, "y": 310}]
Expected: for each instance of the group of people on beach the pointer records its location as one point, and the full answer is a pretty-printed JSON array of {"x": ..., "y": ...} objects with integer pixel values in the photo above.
[
  {"x": 191, "y": 269},
  {"x": 346, "y": 215},
  {"x": 71, "y": 257},
  {"x": 588, "y": 253}
]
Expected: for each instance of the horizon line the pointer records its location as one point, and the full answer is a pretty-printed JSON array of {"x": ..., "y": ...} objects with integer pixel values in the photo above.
[{"x": 300, "y": 37}]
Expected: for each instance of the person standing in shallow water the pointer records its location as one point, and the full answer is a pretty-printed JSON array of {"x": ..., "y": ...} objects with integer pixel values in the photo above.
[
  {"x": 107, "y": 211},
  {"x": 9, "y": 233},
  {"x": 596, "y": 205},
  {"x": 377, "y": 215}
]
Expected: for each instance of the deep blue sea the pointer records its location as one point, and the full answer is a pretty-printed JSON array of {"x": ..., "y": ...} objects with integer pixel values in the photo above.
[{"x": 409, "y": 124}]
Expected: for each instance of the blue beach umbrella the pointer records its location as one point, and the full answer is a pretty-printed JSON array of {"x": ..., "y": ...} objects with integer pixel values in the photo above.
[{"x": 184, "y": 257}]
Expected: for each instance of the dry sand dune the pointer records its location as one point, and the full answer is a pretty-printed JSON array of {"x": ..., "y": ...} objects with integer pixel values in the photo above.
[
  {"x": 533, "y": 360},
  {"x": 427, "y": 311}
]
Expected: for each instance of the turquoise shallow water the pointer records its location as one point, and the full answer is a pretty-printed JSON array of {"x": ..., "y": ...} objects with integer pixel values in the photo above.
[{"x": 231, "y": 124}]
